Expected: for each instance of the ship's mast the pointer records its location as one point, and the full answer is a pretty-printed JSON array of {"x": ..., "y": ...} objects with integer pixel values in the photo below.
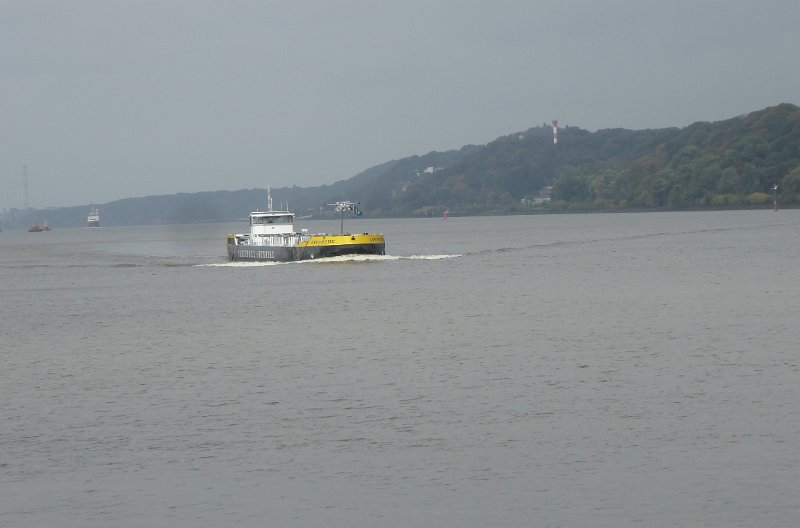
[{"x": 343, "y": 207}]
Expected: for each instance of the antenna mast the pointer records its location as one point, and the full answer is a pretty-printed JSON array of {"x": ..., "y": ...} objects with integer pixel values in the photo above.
[
  {"x": 25, "y": 185},
  {"x": 346, "y": 207}
]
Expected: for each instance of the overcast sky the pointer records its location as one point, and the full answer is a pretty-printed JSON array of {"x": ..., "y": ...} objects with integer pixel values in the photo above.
[{"x": 108, "y": 99}]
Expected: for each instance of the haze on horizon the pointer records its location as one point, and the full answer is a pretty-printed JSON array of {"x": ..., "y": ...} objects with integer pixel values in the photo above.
[{"x": 108, "y": 99}]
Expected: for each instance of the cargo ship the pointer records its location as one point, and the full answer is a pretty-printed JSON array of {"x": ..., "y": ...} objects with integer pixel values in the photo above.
[
  {"x": 273, "y": 238},
  {"x": 93, "y": 220}
]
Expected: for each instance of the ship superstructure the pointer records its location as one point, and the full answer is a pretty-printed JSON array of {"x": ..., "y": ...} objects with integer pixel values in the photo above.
[{"x": 93, "y": 220}]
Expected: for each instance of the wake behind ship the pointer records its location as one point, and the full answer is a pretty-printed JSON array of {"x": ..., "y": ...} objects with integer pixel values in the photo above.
[{"x": 273, "y": 238}]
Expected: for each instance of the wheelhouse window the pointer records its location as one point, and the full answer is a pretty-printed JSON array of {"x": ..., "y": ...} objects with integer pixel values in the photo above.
[{"x": 267, "y": 220}]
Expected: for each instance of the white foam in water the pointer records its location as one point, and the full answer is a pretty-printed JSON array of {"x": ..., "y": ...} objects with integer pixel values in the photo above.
[
  {"x": 429, "y": 257},
  {"x": 377, "y": 258},
  {"x": 344, "y": 258}
]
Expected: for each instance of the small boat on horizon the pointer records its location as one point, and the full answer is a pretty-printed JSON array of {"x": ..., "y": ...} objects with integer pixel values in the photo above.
[
  {"x": 35, "y": 227},
  {"x": 93, "y": 220}
]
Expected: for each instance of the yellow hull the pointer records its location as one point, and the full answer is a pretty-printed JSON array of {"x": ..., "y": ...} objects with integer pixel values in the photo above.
[{"x": 342, "y": 240}]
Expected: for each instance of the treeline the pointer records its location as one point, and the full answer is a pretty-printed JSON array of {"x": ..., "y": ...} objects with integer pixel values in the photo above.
[
  {"x": 730, "y": 163},
  {"x": 508, "y": 174}
]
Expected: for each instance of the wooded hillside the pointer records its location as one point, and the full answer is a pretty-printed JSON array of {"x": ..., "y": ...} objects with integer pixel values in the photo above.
[{"x": 731, "y": 163}]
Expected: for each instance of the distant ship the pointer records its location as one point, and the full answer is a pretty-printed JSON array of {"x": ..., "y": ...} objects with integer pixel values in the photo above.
[
  {"x": 273, "y": 237},
  {"x": 36, "y": 228},
  {"x": 93, "y": 220}
]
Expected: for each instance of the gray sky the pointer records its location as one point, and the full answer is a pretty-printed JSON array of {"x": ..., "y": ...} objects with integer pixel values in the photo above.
[{"x": 108, "y": 99}]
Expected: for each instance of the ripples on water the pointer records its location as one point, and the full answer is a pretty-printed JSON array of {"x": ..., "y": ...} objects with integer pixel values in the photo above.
[{"x": 581, "y": 370}]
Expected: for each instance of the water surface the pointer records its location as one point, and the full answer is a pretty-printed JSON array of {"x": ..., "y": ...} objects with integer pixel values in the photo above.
[{"x": 565, "y": 370}]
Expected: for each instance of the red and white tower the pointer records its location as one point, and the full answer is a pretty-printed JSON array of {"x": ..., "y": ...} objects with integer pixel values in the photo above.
[{"x": 555, "y": 131}]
